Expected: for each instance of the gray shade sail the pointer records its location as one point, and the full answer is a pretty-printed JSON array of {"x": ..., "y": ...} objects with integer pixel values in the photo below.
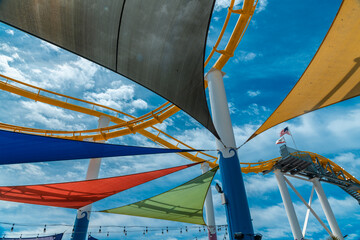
[{"x": 159, "y": 44}]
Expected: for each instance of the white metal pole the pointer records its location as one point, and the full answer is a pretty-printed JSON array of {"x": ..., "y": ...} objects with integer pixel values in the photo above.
[
  {"x": 220, "y": 110},
  {"x": 309, "y": 207},
  {"x": 308, "y": 211},
  {"x": 327, "y": 209},
  {"x": 209, "y": 208},
  {"x": 289, "y": 207},
  {"x": 83, "y": 214},
  {"x": 237, "y": 207}
]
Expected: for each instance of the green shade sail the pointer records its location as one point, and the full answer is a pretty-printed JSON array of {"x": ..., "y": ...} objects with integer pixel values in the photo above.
[{"x": 181, "y": 204}]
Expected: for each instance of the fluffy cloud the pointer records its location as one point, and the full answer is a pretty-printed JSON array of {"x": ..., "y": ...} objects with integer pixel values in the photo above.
[
  {"x": 49, "y": 47},
  {"x": 252, "y": 93},
  {"x": 120, "y": 96},
  {"x": 10, "y": 32},
  {"x": 221, "y": 4},
  {"x": 7, "y": 70},
  {"x": 50, "y": 117},
  {"x": 243, "y": 56},
  {"x": 255, "y": 109},
  {"x": 76, "y": 74}
]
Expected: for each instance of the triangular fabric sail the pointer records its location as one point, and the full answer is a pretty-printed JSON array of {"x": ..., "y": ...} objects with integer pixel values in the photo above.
[
  {"x": 52, "y": 237},
  {"x": 158, "y": 44},
  {"x": 27, "y": 148},
  {"x": 181, "y": 204},
  {"x": 80, "y": 193},
  {"x": 333, "y": 74}
]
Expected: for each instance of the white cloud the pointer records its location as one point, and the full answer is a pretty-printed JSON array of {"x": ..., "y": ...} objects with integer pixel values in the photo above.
[
  {"x": 121, "y": 97},
  {"x": 262, "y": 4},
  {"x": 10, "y": 32},
  {"x": 243, "y": 56},
  {"x": 254, "y": 109},
  {"x": 37, "y": 71},
  {"x": 221, "y": 4},
  {"x": 232, "y": 108},
  {"x": 49, "y": 116},
  {"x": 76, "y": 74},
  {"x": 49, "y": 47},
  {"x": 8, "y": 70},
  {"x": 252, "y": 93},
  {"x": 258, "y": 185}
]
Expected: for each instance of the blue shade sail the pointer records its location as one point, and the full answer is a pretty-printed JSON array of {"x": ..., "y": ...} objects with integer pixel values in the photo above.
[{"x": 26, "y": 148}]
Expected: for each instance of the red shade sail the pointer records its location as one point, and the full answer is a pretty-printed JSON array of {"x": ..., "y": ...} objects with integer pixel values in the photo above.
[{"x": 81, "y": 193}]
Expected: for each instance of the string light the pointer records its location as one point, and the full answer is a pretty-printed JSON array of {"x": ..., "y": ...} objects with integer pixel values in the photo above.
[{"x": 107, "y": 229}]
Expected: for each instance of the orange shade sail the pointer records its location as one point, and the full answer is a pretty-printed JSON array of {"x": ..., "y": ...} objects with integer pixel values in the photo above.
[
  {"x": 333, "y": 74},
  {"x": 80, "y": 193}
]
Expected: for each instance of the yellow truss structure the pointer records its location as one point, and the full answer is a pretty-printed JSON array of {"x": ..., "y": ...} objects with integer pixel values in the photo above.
[
  {"x": 133, "y": 126},
  {"x": 158, "y": 115},
  {"x": 326, "y": 164}
]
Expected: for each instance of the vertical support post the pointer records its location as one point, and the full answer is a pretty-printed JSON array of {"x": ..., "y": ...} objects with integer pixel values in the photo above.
[
  {"x": 209, "y": 208},
  {"x": 289, "y": 207},
  {"x": 83, "y": 214},
  {"x": 308, "y": 211},
  {"x": 327, "y": 209},
  {"x": 237, "y": 208}
]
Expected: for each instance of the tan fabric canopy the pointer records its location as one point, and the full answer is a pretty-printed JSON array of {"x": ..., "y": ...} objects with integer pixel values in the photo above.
[
  {"x": 333, "y": 74},
  {"x": 159, "y": 44}
]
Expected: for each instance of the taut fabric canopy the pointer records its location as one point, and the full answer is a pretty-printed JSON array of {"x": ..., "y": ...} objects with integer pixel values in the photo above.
[
  {"x": 333, "y": 74},
  {"x": 26, "y": 148},
  {"x": 159, "y": 44},
  {"x": 52, "y": 237},
  {"x": 81, "y": 193},
  {"x": 181, "y": 204}
]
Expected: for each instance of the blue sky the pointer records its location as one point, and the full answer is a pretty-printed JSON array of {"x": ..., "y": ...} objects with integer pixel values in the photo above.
[{"x": 277, "y": 46}]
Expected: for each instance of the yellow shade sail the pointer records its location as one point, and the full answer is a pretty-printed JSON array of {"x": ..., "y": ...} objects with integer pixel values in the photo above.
[{"x": 333, "y": 74}]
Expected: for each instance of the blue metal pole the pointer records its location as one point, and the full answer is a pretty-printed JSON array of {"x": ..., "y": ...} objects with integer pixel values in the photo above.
[
  {"x": 83, "y": 214},
  {"x": 238, "y": 214},
  {"x": 237, "y": 208},
  {"x": 81, "y": 225}
]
